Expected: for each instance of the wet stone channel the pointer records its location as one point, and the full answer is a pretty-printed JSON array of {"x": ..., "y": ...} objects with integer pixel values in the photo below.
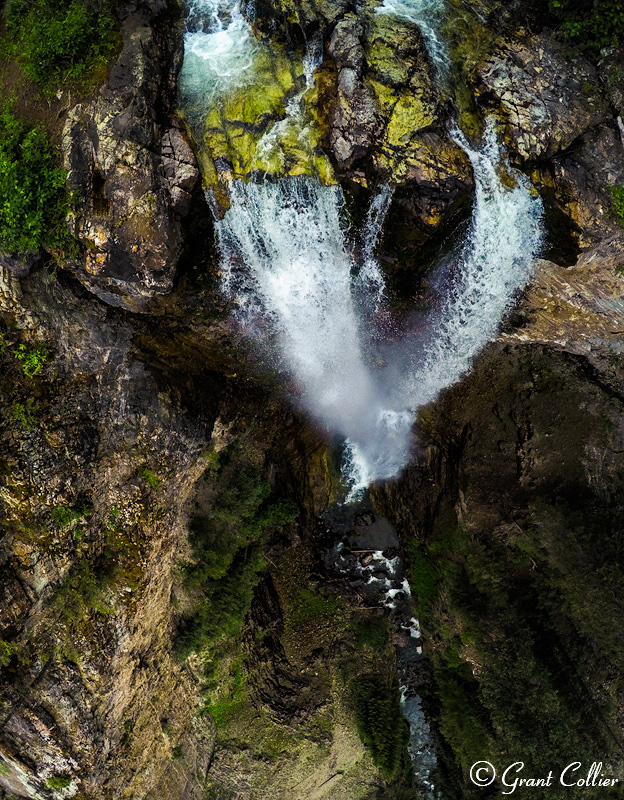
[{"x": 365, "y": 556}]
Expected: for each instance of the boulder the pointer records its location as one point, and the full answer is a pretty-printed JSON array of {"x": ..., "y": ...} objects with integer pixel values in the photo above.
[
  {"x": 355, "y": 120},
  {"x": 546, "y": 100}
]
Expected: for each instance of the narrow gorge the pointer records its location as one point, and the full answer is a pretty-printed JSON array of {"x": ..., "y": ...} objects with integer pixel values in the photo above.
[{"x": 311, "y": 339}]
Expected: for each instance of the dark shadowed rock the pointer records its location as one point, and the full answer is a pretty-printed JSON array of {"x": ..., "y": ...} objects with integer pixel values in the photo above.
[
  {"x": 355, "y": 121},
  {"x": 388, "y": 125},
  {"x": 19, "y": 264}
]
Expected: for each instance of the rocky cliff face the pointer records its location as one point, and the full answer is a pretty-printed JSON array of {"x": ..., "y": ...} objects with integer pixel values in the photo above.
[
  {"x": 131, "y": 166},
  {"x": 512, "y": 514},
  {"x": 109, "y": 438}
]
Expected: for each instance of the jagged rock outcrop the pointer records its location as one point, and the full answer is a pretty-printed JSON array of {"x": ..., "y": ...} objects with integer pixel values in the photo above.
[
  {"x": 101, "y": 458},
  {"x": 355, "y": 120},
  {"x": 580, "y": 307},
  {"x": 101, "y": 453},
  {"x": 584, "y": 176},
  {"x": 130, "y": 166},
  {"x": 387, "y": 124},
  {"x": 295, "y": 21},
  {"x": 546, "y": 101}
]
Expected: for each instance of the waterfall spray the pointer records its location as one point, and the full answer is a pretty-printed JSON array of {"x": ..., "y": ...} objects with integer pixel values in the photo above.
[{"x": 297, "y": 287}]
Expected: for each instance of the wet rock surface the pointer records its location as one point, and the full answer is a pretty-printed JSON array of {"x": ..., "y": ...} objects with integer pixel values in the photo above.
[
  {"x": 101, "y": 453},
  {"x": 528, "y": 442}
]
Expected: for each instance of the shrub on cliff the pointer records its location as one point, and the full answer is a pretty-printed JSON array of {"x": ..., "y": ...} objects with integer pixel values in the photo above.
[
  {"x": 33, "y": 196},
  {"x": 227, "y": 544},
  {"x": 59, "y": 41},
  {"x": 591, "y": 27}
]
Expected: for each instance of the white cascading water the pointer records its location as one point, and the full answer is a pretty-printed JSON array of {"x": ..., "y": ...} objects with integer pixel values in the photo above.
[
  {"x": 370, "y": 283},
  {"x": 299, "y": 288},
  {"x": 286, "y": 264},
  {"x": 219, "y": 51},
  {"x": 297, "y": 285},
  {"x": 427, "y": 16}
]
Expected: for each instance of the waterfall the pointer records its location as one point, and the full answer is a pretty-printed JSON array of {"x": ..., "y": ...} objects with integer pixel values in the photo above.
[
  {"x": 503, "y": 241},
  {"x": 300, "y": 290},
  {"x": 496, "y": 259},
  {"x": 288, "y": 269},
  {"x": 370, "y": 282},
  {"x": 299, "y": 287},
  {"x": 309, "y": 298},
  {"x": 427, "y": 16}
]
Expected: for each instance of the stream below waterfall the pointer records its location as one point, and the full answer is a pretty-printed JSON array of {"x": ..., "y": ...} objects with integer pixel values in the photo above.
[{"x": 300, "y": 291}]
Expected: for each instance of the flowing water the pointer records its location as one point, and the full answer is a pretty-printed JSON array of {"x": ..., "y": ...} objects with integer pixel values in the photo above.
[
  {"x": 427, "y": 15},
  {"x": 219, "y": 53},
  {"x": 297, "y": 285},
  {"x": 287, "y": 266},
  {"x": 300, "y": 289},
  {"x": 495, "y": 260}
]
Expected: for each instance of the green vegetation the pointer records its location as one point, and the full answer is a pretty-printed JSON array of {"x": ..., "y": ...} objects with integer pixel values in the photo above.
[
  {"x": 380, "y": 723},
  {"x": 61, "y": 41},
  {"x": 309, "y": 605},
  {"x": 227, "y": 545},
  {"x": 24, "y": 413},
  {"x": 32, "y": 360},
  {"x": 5, "y": 653},
  {"x": 617, "y": 200},
  {"x": 59, "y": 782},
  {"x": 372, "y": 632},
  {"x": 590, "y": 27},
  {"x": 150, "y": 477},
  {"x": 231, "y": 701},
  {"x": 63, "y": 516},
  {"x": 79, "y": 594},
  {"x": 423, "y": 576},
  {"x": 33, "y": 196}
]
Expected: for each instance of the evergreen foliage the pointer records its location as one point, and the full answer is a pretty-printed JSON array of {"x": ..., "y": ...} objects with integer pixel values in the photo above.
[
  {"x": 379, "y": 720},
  {"x": 227, "y": 546}
]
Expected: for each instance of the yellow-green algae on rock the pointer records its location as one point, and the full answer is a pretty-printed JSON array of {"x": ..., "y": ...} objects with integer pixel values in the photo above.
[{"x": 266, "y": 127}]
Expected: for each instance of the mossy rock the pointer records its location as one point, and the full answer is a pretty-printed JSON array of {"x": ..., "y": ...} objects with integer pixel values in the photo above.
[
  {"x": 250, "y": 131},
  {"x": 393, "y": 49},
  {"x": 410, "y": 115},
  {"x": 385, "y": 96}
]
